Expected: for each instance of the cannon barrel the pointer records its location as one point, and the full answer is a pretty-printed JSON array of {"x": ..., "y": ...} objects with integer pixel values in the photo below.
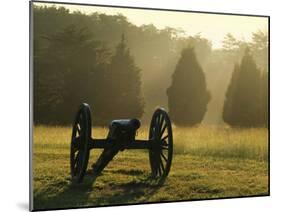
[
  {"x": 125, "y": 124},
  {"x": 123, "y": 129}
]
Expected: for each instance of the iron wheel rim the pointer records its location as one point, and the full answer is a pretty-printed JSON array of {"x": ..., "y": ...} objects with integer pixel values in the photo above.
[
  {"x": 161, "y": 151},
  {"x": 79, "y": 151}
]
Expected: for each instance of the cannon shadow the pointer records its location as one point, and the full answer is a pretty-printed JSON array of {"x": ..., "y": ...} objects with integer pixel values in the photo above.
[{"x": 138, "y": 190}]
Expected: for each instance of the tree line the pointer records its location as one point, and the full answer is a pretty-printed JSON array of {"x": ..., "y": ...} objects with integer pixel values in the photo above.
[
  {"x": 246, "y": 101},
  {"x": 73, "y": 69},
  {"x": 93, "y": 58}
]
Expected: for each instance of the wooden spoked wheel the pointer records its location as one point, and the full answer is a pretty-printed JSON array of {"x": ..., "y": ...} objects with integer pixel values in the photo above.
[
  {"x": 79, "y": 151},
  {"x": 161, "y": 151}
]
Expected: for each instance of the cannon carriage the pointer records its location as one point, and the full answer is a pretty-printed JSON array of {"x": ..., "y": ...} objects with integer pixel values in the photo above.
[{"x": 121, "y": 136}]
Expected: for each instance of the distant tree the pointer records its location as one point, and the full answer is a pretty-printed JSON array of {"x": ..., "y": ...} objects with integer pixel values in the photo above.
[
  {"x": 124, "y": 97},
  {"x": 259, "y": 49},
  {"x": 188, "y": 95},
  {"x": 243, "y": 96},
  {"x": 234, "y": 48},
  {"x": 67, "y": 73},
  {"x": 230, "y": 43},
  {"x": 202, "y": 46},
  {"x": 260, "y": 40}
]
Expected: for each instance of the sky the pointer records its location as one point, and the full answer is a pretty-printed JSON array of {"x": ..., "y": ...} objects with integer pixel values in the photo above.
[{"x": 211, "y": 26}]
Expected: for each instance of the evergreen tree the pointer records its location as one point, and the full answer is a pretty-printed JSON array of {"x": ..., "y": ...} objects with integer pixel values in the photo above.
[
  {"x": 242, "y": 101},
  {"x": 124, "y": 97},
  {"x": 188, "y": 96},
  {"x": 228, "y": 112}
]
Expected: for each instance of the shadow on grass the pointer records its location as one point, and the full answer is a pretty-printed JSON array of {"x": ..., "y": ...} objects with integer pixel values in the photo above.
[
  {"x": 136, "y": 191},
  {"x": 64, "y": 194},
  {"x": 133, "y": 172}
]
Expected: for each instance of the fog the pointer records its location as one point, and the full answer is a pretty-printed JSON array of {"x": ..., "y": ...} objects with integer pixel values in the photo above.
[{"x": 155, "y": 40}]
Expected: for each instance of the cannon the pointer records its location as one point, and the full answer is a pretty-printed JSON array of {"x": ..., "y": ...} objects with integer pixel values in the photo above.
[{"x": 121, "y": 136}]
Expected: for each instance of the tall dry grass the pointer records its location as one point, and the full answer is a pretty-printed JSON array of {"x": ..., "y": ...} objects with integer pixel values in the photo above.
[{"x": 201, "y": 141}]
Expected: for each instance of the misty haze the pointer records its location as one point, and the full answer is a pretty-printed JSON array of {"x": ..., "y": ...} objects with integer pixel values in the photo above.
[{"x": 208, "y": 71}]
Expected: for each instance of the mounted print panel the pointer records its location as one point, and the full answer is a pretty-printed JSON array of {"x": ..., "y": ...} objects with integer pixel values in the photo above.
[{"x": 137, "y": 105}]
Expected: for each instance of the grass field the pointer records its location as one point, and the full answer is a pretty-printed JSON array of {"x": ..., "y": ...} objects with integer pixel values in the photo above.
[{"x": 208, "y": 163}]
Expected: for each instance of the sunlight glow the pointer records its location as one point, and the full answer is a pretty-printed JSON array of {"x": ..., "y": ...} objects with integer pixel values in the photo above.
[{"x": 212, "y": 26}]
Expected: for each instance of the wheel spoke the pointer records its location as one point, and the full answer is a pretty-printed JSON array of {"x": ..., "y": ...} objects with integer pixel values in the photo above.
[
  {"x": 165, "y": 147},
  {"x": 78, "y": 128},
  {"x": 164, "y": 138},
  {"x": 79, "y": 160},
  {"x": 163, "y": 130},
  {"x": 161, "y": 164},
  {"x": 76, "y": 158},
  {"x": 163, "y": 156}
]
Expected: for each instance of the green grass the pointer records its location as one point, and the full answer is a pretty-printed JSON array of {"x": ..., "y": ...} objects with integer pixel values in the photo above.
[{"x": 208, "y": 163}]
